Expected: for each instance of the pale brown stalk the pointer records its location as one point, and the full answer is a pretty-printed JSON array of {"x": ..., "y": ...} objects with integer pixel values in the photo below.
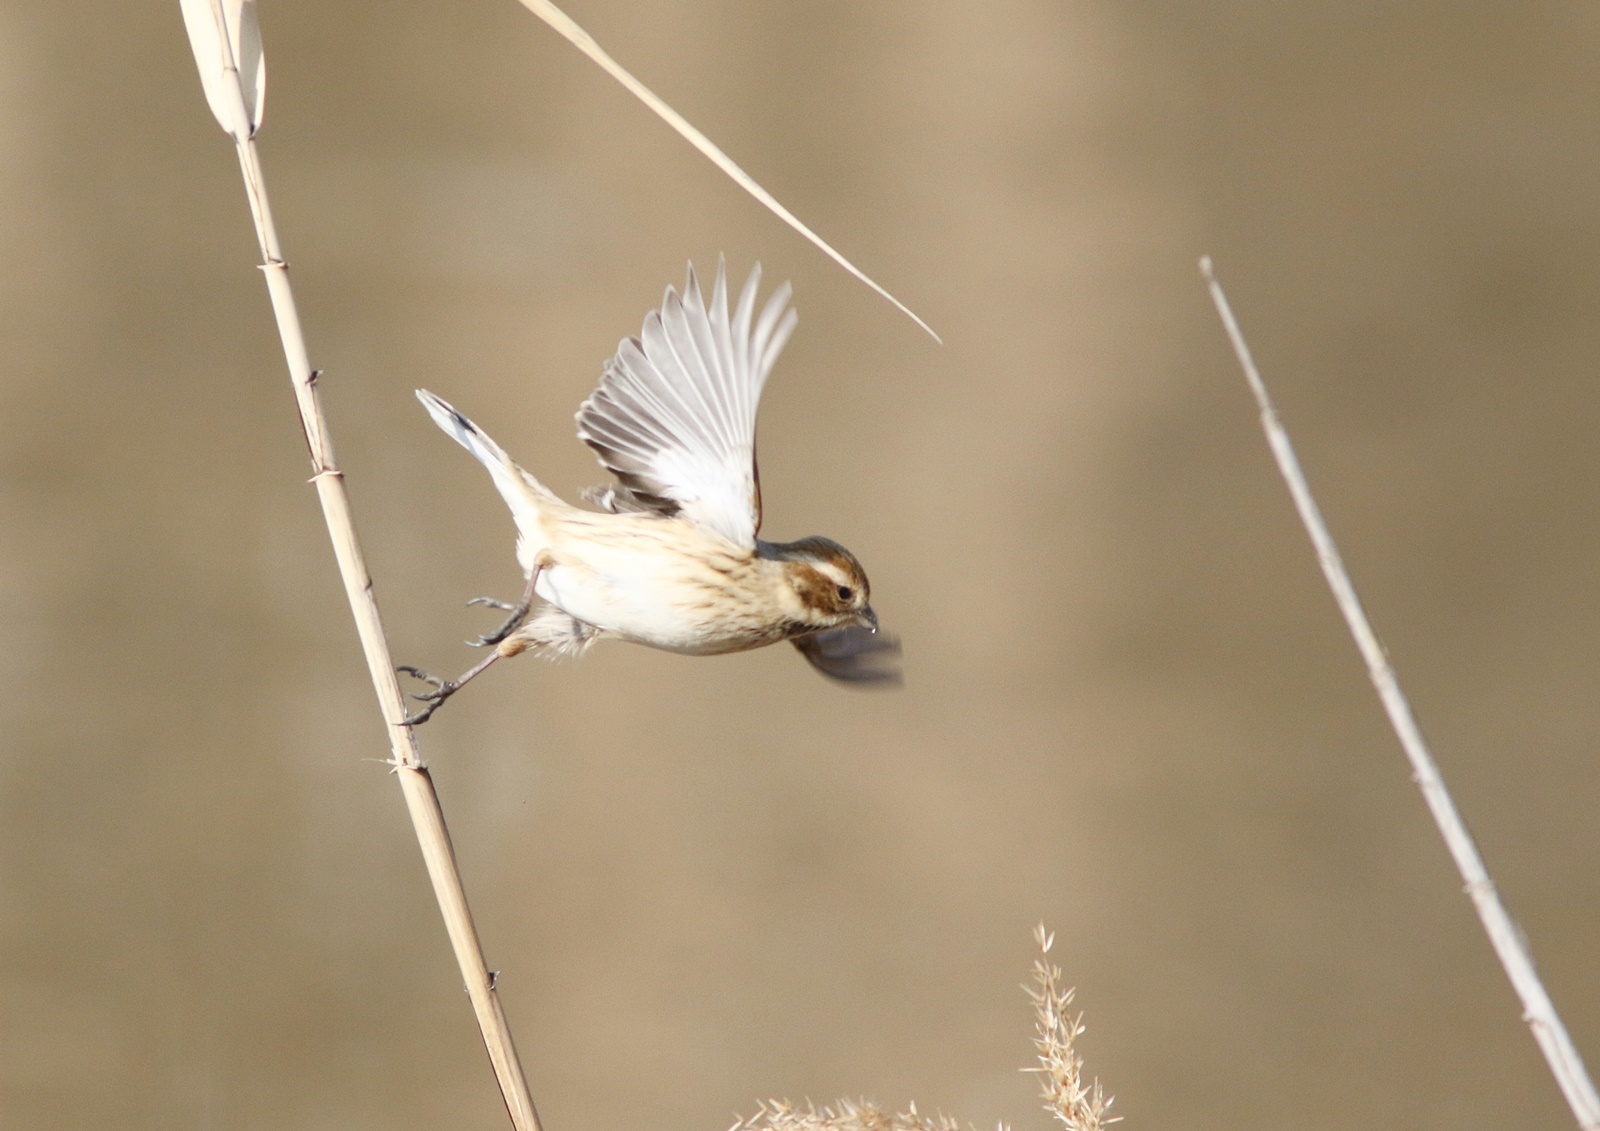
[
  {"x": 221, "y": 57},
  {"x": 565, "y": 26},
  {"x": 1510, "y": 944}
]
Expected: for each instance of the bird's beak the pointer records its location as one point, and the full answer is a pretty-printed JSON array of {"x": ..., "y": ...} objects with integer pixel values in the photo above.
[{"x": 866, "y": 618}]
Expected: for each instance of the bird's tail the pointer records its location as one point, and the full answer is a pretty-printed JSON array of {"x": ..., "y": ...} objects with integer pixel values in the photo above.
[{"x": 524, "y": 494}]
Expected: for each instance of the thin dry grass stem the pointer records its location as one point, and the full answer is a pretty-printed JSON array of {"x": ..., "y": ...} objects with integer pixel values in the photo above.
[
  {"x": 225, "y": 42},
  {"x": 1510, "y": 944},
  {"x": 1078, "y": 1106},
  {"x": 568, "y": 29},
  {"x": 842, "y": 1115}
]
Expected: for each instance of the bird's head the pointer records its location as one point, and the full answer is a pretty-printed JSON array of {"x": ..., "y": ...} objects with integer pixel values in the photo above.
[{"x": 829, "y": 584}]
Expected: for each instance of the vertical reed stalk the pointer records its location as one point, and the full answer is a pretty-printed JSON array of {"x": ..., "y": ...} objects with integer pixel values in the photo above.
[
  {"x": 225, "y": 42},
  {"x": 1510, "y": 945}
]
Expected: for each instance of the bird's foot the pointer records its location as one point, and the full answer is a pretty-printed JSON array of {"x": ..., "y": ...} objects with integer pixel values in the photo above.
[
  {"x": 442, "y": 690},
  {"x": 519, "y": 613}
]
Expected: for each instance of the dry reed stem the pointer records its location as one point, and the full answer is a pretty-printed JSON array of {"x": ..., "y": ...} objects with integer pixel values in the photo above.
[
  {"x": 1078, "y": 1106},
  {"x": 1510, "y": 945},
  {"x": 568, "y": 29},
  {"x": 219, "y": 70}
]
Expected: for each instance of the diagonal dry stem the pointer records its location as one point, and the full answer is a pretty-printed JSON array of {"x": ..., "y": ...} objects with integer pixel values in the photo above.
[
  {"x": 568, "y": 29},
  {"x": 1510, "y": 945},
  {"x": 422, "y": 801}
]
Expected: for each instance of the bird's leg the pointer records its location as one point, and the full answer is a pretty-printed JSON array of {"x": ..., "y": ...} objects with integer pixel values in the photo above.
[
  {"x": 444, "y": 688},
  {"x": 519, "y": 612}
]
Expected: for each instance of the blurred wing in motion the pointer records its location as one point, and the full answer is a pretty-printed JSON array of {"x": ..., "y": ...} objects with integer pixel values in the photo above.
[
  {"x": 853, "y": 655},
  {"x": 674, "y": 418}
]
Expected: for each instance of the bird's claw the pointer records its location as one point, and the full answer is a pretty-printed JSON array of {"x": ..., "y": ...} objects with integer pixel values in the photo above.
[
  {"x": 519, "y": 613},
  {"x": 442, "y": 690}
]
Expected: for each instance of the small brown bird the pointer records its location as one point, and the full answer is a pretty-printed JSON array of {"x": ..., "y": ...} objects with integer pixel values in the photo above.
[{"x": 672, "y": 559}]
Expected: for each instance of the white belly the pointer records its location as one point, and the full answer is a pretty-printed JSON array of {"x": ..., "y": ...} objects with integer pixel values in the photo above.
[{"x": 652, "y": 582}]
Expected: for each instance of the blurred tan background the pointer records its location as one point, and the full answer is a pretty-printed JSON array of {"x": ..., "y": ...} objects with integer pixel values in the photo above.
[{"x": 1130, "y": 709}]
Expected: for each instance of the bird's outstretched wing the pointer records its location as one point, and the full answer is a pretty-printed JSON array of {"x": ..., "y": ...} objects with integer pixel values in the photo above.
[
  {"x": 674, "y": 418},
  {"x": 853, "y": 655}
]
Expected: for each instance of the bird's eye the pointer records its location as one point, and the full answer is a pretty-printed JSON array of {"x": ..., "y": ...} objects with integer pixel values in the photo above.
[{"x": 844, "y": 593}]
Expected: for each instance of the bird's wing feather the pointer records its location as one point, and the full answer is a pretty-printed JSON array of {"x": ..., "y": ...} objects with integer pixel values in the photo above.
[{"x": 674, "y": 418}]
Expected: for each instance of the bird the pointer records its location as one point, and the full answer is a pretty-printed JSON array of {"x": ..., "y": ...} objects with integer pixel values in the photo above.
[{"x": 671, "y": 558}]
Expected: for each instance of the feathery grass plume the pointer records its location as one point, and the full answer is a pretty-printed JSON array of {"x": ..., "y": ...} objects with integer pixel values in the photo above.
[
  {"x": 1079, "y": 1106},
  {"x": 1509, "y": 942},
  {"x": 228, "y": 52},
  {"x": 843, "y": 1115}
]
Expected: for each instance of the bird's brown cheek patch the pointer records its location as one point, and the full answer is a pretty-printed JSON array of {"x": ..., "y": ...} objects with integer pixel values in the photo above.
[{"x": 815, "y": 589}]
